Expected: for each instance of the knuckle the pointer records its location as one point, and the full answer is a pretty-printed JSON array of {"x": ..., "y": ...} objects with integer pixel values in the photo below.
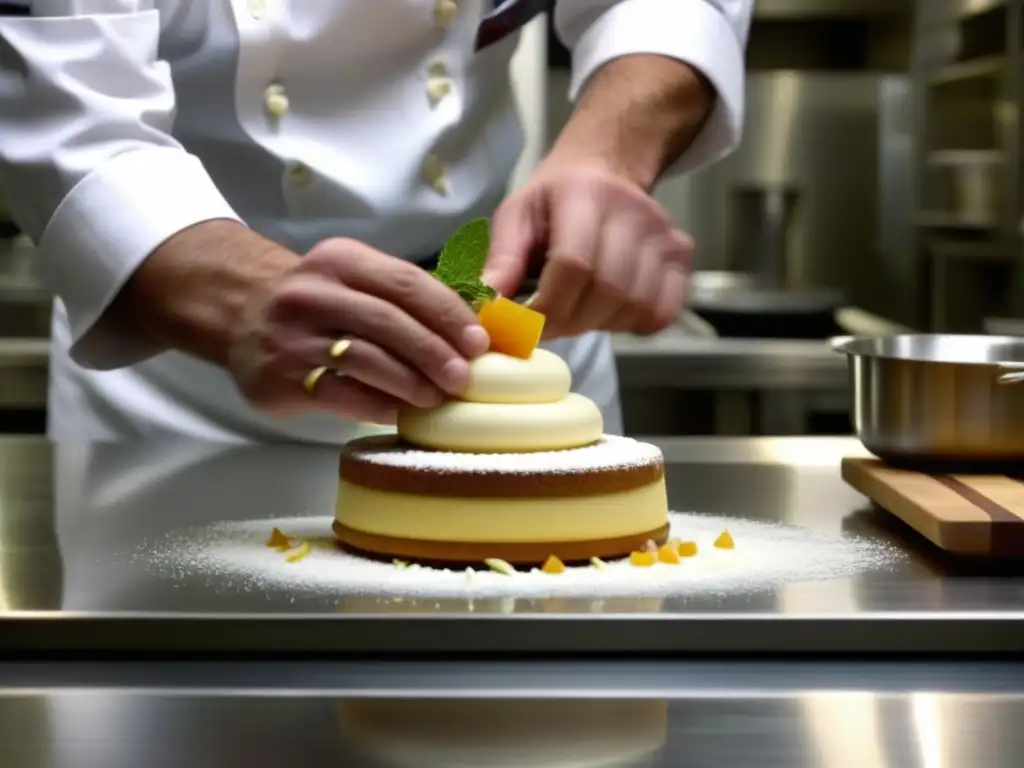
[
  {"x": 382, "y": 316},
  {"x": 574, "y": 263},
  {"x": 287, "y": 301},
  {"x": 611, "y": 287},
  {"x": 335, "y": 252},
  {"x": 405, "y": 282}
]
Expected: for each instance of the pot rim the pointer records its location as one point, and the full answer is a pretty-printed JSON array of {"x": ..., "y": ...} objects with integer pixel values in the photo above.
[{"x": 845, "y": 345}]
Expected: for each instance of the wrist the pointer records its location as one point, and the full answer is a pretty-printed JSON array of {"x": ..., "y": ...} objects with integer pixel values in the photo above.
[
  {"x": 636, "y": 117},
  {"x": 193, "y": 291}
]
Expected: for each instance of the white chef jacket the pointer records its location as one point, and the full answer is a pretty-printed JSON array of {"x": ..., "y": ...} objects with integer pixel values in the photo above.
[{"x": 123, "y": 122}]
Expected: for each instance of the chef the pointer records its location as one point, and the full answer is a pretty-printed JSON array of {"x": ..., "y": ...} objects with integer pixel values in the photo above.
[{"x": 233, "y": 200}]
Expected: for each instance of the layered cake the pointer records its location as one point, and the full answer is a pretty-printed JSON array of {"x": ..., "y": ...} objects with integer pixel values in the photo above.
[{"x": 517, "y": 469}]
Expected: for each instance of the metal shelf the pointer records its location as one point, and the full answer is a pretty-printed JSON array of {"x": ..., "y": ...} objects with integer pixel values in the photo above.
[{"x": 973, "y": 69}]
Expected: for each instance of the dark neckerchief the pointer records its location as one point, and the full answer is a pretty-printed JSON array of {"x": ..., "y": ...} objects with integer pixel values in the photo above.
[{"x": 509, "y": 16}]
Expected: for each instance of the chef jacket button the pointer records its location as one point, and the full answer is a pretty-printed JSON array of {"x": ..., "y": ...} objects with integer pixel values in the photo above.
[
  {"x": 439, "y": 84},
  {"x": 437, "y": 89},
  {"x": 444, "y": 11},
  {"x": 433, "y": 174},
  {"x": 299, "y": 175},
  {"x": 275, "y": 99},
  {"x": 257, "y": 8}
]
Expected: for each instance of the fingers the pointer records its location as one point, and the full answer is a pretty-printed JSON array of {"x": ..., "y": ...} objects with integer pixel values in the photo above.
[
  {"x": 514, "y": 235},
  {"x": 369, "y": 363},
  {"x": 318, "y": 304},
  {"x": 432, "y": 304},
  {"x": 616, "y": 262},
  {"x": 566, "y": 278},
  {"x": 353, "y": 399}
]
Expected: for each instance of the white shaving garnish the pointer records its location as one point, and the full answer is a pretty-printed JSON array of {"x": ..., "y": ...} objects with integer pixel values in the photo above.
[{"x": 611, "y": 452}]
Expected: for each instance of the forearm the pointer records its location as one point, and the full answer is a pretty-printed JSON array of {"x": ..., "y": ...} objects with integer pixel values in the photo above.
[
  {"x": 192, "y": 291},
  {"x": 637, "y": 116}
]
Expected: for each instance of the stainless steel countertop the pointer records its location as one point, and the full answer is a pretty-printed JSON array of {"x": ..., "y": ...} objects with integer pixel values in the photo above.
[
  {"x": 663, "y": 714},
  {"x": 67, "y": 511}
]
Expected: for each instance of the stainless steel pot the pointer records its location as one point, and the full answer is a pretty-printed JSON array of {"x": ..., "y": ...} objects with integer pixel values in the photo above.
[{"x": 937, "y": 397}]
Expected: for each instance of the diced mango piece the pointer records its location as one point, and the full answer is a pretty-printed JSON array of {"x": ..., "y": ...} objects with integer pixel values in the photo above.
[
  {"x": 278, "y": 540},
  {"x": 668, "y": 554},
  {"x": 724, "y": 541},
  {"x": 687, "y": 548},
  {"x": 298, "y": 553},
  {"x": 553, "y": 565},
  {"x": 642, "y": 559},
  {"x": 515, "y": 330}
]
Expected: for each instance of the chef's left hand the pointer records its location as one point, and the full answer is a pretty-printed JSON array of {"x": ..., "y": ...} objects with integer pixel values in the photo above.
[{"x": 614, "y": 259}]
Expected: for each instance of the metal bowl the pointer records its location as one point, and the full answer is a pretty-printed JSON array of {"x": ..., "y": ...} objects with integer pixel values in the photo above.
[{"x": 937, "y": 397}]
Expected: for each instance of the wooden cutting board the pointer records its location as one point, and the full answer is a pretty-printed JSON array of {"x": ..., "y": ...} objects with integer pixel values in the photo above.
[{"x": 962, "y": 514}]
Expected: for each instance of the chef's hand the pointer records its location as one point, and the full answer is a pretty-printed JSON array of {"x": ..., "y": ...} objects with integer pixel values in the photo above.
[
  {"x": 409, "y": 336},
  {"x": 614, "y": 259}
]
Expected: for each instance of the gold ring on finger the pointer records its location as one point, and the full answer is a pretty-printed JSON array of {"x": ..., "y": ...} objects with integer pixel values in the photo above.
[
  {"x": 309, "y": 383},
  {"x": 339, "y": 348}
]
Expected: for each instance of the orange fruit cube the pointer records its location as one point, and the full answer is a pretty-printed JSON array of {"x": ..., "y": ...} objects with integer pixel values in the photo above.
[
  {"x": 515, "y": 330},
  {"x": 642, "y": 559}
]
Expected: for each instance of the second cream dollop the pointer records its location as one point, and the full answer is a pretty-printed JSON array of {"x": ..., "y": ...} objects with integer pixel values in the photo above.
[{"x": 511, "y": 405}]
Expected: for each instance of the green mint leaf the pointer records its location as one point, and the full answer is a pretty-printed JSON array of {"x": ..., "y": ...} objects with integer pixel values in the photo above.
[
  {"x": 463, "y": 256},
  {"x": 473, "y": 291}
]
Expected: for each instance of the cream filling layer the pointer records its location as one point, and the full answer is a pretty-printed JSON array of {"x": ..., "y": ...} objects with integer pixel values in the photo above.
[
  {"x": 544, "y": 377},
  {"x": 502, "y": 520},
  {"x": 463, "y": 427}
]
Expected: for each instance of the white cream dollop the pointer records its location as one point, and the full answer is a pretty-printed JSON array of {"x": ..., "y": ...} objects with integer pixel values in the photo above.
[
  {"x": 510, "y": 406},
  {"x": 464, "y": 427},
  {"x": 544, "y": 377}
]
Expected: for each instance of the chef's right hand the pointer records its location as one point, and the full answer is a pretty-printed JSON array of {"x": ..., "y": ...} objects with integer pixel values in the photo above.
[{"x": 409, "y": 336}]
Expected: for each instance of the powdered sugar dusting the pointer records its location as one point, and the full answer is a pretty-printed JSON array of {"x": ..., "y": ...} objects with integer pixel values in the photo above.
[
  {"x": 235, "y": 556},
  {"x": 611, "y": 452}
]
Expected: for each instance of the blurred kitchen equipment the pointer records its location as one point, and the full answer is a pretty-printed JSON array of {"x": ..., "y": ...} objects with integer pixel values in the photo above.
[
  {"x": 24, "y": 304},
  {"x": 762, "y": 300},
  {"x": 817, "y": 135},
  {"x": 964, "y": 186},
  {"x": 936, "y": 397},
  {"x": 763, "y": 230}
]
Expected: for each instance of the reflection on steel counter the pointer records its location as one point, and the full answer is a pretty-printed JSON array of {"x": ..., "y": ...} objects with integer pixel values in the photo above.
[
  {"x": 110, "y": 498},
  {"x": 667, "y": 721}
]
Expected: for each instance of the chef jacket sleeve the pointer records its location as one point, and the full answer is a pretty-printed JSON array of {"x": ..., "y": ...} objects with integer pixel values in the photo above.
[
  {"x": 709, "y": 35},
  {"x": 91, "y": 171}
]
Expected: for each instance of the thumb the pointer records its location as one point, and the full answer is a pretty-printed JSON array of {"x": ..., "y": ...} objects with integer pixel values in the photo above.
[{"x": 513, "y": 236}]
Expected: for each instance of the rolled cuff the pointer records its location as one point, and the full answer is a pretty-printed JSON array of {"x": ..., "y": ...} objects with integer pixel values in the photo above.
[
  {"x": 106, "y": 227},
  {"x": 693, "y": 32}
]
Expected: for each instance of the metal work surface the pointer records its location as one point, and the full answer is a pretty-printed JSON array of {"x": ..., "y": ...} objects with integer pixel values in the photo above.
[
  {"x": 906, "y": 715},
  {"x": 69, "y": 513}
]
